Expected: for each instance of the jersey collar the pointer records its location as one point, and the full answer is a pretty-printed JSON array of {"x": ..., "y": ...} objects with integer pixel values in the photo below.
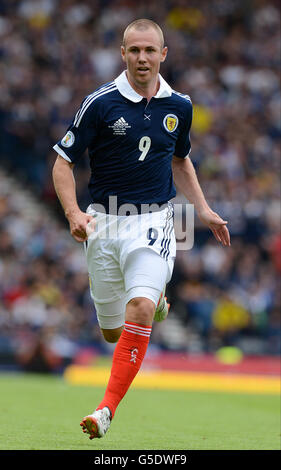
[{"x": 128, "y": 92}]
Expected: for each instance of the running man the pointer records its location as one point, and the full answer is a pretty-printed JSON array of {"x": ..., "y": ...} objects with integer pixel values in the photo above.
[{"x": 136, "y": 130}]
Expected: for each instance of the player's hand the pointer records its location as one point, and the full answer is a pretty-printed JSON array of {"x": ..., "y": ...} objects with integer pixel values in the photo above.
[
  {"x": 79, "y": 228},
  {"x": 217, "y": 225}
]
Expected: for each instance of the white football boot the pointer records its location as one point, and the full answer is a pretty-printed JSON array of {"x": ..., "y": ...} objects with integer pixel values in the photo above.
[
  {"x": 162, "y": 308},
  {"x": 97, "y": 424}
]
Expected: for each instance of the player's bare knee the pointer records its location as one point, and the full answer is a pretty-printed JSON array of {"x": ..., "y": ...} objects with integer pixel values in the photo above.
[{"x": 140, "y": 310}]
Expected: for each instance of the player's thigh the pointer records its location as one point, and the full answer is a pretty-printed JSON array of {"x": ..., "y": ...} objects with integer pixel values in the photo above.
[
  {"x": 106, "y": 285},
  {"x": 145, "y": 274},
  {"x": 105, "y": 276},
  {"x": 111, "y": 317},
  {"x": 148, "y": 252}
]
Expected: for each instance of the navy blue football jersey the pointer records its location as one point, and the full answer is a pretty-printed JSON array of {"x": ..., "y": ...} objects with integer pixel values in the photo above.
[{"x": 131, "y": 142}]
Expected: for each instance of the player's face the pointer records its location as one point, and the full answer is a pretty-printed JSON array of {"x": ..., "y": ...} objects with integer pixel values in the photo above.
[{"x": 143, "y": 53}]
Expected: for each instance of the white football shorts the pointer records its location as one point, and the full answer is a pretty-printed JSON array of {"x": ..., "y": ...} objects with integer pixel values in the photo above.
[{"x": 127, "y": 257}]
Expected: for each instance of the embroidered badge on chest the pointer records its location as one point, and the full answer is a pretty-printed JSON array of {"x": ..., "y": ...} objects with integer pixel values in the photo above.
[
  {"x": 171, "y": 122},
  {"x": 120, "y": 126}
]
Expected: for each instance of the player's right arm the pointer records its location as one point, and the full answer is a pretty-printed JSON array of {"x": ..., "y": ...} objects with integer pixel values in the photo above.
[
  {"x": 70, "y": 149},
  {"x": 65, "y": 187}
]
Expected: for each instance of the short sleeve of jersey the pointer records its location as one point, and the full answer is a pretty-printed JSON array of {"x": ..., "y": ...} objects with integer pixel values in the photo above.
[
  {"x": 183, "y": 145},
  {"x": 80, "y": 134}
]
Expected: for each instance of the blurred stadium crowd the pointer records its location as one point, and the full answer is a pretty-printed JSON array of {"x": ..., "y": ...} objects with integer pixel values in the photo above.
[{"x": 226, "y": 55}]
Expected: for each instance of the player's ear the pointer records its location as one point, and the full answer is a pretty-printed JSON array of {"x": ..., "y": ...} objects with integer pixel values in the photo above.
[
  {"x": 164, "y": 53},
  {"x": 123, "y": 53}
]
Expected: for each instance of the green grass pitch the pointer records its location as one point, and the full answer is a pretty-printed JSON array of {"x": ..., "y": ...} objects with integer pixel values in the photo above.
[{"x": 43, "y": 413}]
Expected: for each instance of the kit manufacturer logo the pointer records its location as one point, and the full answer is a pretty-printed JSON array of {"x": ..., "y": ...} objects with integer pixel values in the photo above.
[{"x": 120, "y": 126}]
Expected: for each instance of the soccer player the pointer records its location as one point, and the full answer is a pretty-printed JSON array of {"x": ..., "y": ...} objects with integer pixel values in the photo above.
[{"x": 136, "y": 129}]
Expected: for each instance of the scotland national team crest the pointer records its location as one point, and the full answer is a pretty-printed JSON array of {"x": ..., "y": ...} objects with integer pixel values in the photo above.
[
  {"x": 170, "y": 122},
  {"x": 68, "y": 139}
]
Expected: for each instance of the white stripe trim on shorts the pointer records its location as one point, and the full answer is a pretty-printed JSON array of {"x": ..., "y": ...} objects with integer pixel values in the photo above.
[{"x": 168, "y": 229}]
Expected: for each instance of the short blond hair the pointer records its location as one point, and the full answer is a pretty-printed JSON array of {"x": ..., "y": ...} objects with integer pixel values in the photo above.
[{"x": 142, "y": 25}]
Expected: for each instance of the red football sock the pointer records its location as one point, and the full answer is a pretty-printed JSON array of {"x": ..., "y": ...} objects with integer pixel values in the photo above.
[{"x": 127, "y": 359}]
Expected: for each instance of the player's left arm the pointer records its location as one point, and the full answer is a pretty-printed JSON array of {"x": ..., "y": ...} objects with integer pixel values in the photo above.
[{"x": 186, "y": 180}]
